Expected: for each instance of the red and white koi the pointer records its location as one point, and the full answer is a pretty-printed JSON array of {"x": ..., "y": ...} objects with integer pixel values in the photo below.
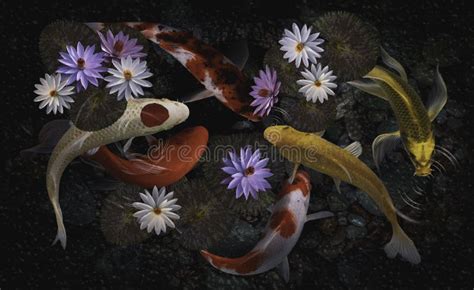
[
  {"x": 281, "y": 234},
  {"x": 219, "y": 75}
]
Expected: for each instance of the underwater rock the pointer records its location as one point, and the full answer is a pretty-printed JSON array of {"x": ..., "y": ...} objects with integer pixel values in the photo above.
[
  {"x": 355, "y": 232},
  {"x": 95, "y": 109},
  {"x": 287, "y": 73},
  {"x": 297, "y": 112},
  {"x": 356, "y": 220},
  {"x": 250, "y": 207},
  {"x": 56, "y": 36},
  {"x": 121, "y": 263},
  {"x": 439, "y": 50},
  {"x": 317, "y": 204},
  {"x": 336, "y": 202},
  {"x": 204, "y": 218},
  {"x": 77, "y": 201},
  {"x": 351, "y": 46},
  {"x": 365, "y": 201},
  {"x": 117, "y": 222},
  {"x": 238, "y": 240},
  {"x": 348, "y": 273},
  {"x": 353, "y": 126}
]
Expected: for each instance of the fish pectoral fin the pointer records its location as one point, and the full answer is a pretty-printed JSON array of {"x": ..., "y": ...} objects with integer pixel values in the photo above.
[
  {"x": 337, "y": 183},
  {"x": 369, "y": 87},
  {"x": 354, "y": 148},
  {"x": 270, "y": 208},
  {"x": 319, "y": 215},
  {"x": 383, "y": 144},
  {"x": 320, "y": 133},
  {"x": 150, "y": 139},
  {"x": 438, "y": 96},
  {"x": 92, "y": 151},
  {"x": 284, "y": 270},
  {"x": 196, "y": 96},
  {"x": 293, "y": 173},
  {"x": 393, "y": 64},
  {"x": 237, "y": 52},
  {"x": 349, "y": 177}
]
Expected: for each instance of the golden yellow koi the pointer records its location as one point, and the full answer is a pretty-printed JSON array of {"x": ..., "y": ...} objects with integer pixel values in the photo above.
[
  {"x": 413, "y": 118},
  {"x": 342, "y": 164}
]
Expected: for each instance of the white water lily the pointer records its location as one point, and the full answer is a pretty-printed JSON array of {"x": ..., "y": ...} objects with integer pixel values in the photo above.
[
  {"x": 317, "y": 83},
  {"x": 53, "y": 94},
  {"x": 301, "y": 45},
  {"x": 156, "y": 212},
  {"x": 128, "y": 78}
]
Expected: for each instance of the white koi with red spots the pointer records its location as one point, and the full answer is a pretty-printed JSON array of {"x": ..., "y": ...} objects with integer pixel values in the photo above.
[
  {"x": 141, "y": 117},
  {"x": 281, "y": 234}
]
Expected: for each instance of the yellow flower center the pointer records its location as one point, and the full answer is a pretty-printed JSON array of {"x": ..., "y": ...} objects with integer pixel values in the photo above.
[
  {"x": 80, "y": 63},
  {"x": 127, "y": 74},
  {"x": 249, "y": 171},
  {"x": 157, "y": 210},
  {"x": 317, "y": 83},
  {"x": 299, "y": 47},
  {"x": 53, "y": 93}
]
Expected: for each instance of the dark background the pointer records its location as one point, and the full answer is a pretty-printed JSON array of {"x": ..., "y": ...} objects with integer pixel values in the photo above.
[{"x": 27, "y": 258}]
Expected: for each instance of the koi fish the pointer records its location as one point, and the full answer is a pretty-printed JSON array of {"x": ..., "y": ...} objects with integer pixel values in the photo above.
[
  {"x": 164, "y": 163},
  {"x": 141, "y": 117},
  {"x": 342, "y": 164},
  {"x": 289, "y": 214},
  {"x": 414, "y": 119},
  {"x": 219, "y": 75}
]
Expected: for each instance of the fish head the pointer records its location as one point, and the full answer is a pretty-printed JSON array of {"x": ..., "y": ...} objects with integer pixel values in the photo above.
[
  {"x": 159, "y": 114},
  {"x": 275, "y": 134},
  {"x": 421, "y": 153}
]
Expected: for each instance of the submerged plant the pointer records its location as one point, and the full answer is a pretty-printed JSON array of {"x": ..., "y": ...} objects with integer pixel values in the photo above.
[
  {"x": 352, "y": 46},
  {"x": 297, "y": 112},
  {"x": 287, "y": 72},
  {"x": 156, "y": 212},
  {"x": 247, "y": 172},
  {"x": 56, "y": 36},
  {"x": 53, "y": 94},
  {"x": 204, "y": 218},
  {"x": 95, "y": 109},
  {"x": 301, "y": 45},
  {"x": 117, "y": 222},
  {"x": 317, "y": 83}
]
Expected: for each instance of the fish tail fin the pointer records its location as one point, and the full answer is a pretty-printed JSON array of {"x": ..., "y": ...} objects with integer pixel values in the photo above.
[
  {"x": 53, "y": 188},
  {"x": 403, "y": 245}
]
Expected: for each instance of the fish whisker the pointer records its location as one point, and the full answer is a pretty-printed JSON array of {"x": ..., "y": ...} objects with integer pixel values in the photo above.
[{"x": 409, "y": 201}]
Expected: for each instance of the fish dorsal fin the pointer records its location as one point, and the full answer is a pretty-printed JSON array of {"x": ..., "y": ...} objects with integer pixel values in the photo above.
[
  {"x": 237, "y": 52},
  {"x": 284, "y": 270},
  {"x": 393, "y": 64},
  {"x": 383, "y": 144},
  {"x": 369, "y": 87},
  {"x": 354, "y": 148},
  {"x": 320, "y": 133},
  {"x": 438, "y": 96},
  {"x": 196, "y": 96}
]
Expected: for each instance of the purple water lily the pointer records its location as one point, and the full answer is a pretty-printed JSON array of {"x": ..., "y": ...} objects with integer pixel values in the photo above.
[
  {"x": 247, "y": 173},
  {"x": 120, "y": 45},
  {"x": 82, "y": 65},
  {"x": 265, "y": 91}
]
